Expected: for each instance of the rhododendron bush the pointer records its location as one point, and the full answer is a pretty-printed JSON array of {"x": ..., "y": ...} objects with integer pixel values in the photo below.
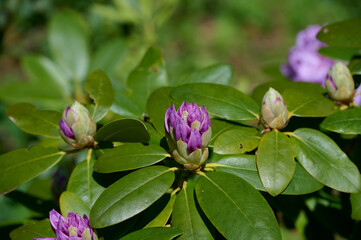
[{"x": 152, "y": 159}]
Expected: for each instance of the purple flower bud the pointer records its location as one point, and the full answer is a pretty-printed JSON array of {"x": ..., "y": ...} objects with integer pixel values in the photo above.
[
  {"x": 188, "y": 133},
  {"x": 357, "y": 97},
  {"x": 304, "y": 62},
  {"x": 72, "y": 228}
]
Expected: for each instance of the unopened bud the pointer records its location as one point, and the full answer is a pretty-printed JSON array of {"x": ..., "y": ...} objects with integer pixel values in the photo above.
[
  {"x": 339, "y": 83},
  {"x": 274, "y": 113}
]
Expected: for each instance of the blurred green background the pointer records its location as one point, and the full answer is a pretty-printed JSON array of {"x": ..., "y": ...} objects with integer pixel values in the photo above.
[{"x": 252, "y": 36}]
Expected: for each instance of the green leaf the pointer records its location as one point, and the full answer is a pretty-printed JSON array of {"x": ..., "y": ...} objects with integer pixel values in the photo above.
[
  {"x": 100, "y": 89},
  {"x": 22, "y": 165},
  {"x": 82, "y": 183},
  {"x": 129, "y": 156},
  {"x": 220, "y": 74},
  {"x": 125, "y": 107},
  {"x": 275, "y": 162},
  {"x": 221, "y": 101},
  {"x": 356, "y": 205},
  {"x": 324, "y": 160},
  {"x": 130, "y": 195},
  {"x": 123, "y": 130},
  {"x": 70, "y": 202},
  {"x": 157, "y": 233},
  {"x": 238, "y": 204},
  {"x": 68, "y": 43},
  {"x": 221, "y": 126},
  {"x": 308, "y": 103},
  {"x": 43, "y": 70},
  {"x": 149, "y": 75},
  {"x": 185, "y": 215},
  {"x": 162, "y": 218},
  {"x": 339, "y": 53},
  {"x": 346, "y": 121},
  {"x": 342, "y": 34},
  {"x": 158, "y": 103},
  {"x": 355, "y": 66},
  {"x": 31, "y": 120},
  {"x": 39, "y": 229},
  {"x": 236, "y": 141}
]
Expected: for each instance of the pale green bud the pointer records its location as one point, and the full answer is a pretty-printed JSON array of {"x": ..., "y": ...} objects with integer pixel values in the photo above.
[
  {"x": 339, "y": 83},
  {"x": 274, "y": 113}
]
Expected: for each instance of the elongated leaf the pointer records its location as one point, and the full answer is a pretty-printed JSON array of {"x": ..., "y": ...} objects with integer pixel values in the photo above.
[
  {"x": 347, "y": 121},
  {"x": 158, "y": 103},
  {"x": 125, "y": 107},
  {"x": 245, "y": 167},
  {"x": 185, "y": 215},
  {"x": 157, "y": 233},
  {"x": 31, "y": 120},
  {"x": 123, "y": 130},
  {"x": 82, "y": 183},
  {"x": 220, "y": 74},
  {"x": 40, "y": 229},
  {"x": 355, "y": 66},
  {"x": 221, "y": 101},
  {"x": 356, "y": 205},
  {"x": 275, "y": 161},
  {"x": 342, "y": 34},
  {"x": 148, "y": 76},
  {"x": 236, "y": 141},
  {"x": 69, "y": 44},
  {"x": 70, "y": 202},
  {"x": 100, "y": 89},
  {"x": 238, "y": 204},
  {"x": 308, "y": 103},
  {"x": 22, "y": 165},
  {"x": 220, "y": 126},
  {"x": 162, "y": 218},
  {"x": 130, "y": 195},
  {"x": 339, "y": 53},
  {"x": 129, "y": 156},
  {"x": 324, "y": 160},
  {"x": 46, "y": 72}
]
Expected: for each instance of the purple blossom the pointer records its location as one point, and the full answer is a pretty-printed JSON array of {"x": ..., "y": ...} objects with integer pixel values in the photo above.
[
  {"x": 188, "y": 124},
  {"x": 357, "y": 96},
  {"x": 304, "y": 62},
  {"x": 71, "y": 228}
]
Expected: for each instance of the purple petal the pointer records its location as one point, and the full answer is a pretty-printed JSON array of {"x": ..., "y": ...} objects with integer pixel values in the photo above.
[
  {"x": 182, "y": 108},
  {"x": 206, "y": 122},
  {"x": 194, "y": 113},
  {"x": 66, "y": 111},
  {"x": 307, "y": 38},
  {"x": 44, "y": 238},
  {"x": 195, "y": 141},
  {"x": 329, "y": 78},
  {"x": 170, "y": 118},
  {"x": 87, "y": 224},
  {"x": 357, "y": 98},
  {"x": 181, "y": 129},
  {"x": 73, "y": 219},
  {"x": 66, "y": 129},
  {"x": 55, "y": 219}
]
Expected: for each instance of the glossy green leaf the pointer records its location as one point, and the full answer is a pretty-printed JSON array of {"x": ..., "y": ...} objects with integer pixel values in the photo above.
[
  {"x": 220, "y": 74},
  {"x": 123, "y": 130},
  {"x": 158, "y": 103},
  {"x": 220, "y": 126},
  {"x": 347, "y": 121},
  {"x": 282, "y": 86},
  {"x": 308, "y": 103},
  {"x": 22, "y": 165},
  {"x": 356, "y": 205},
  {"x": 157, "y": 233},
  {"x": 245, "y": 167},
  {"x": 238, "y": 204},
  {"x": 355, "y": 66},
  {"x": 100, "y": 89},
  {"x": 162, "y": 218},
  {"x": 70, "y": 202},
  {"x": 68, "y": 43},
  {"x": 185, "y": 215},
  {"x": 40, "y": 229},
  {"x": 220, "y": 100},
  {"x": 82, "y": 183},
  {"x": 130, "y": 195},
  {"x": 31, "y": 120},
  {"x": 46, "y": 72},
  {"x": 275, "y": 162},
  {"x": 149, "y": 75},
  {"x": 324, "y": 160},
  {"x": 342, "y": 34},
  {"x": 236, "y": 141},
  {"x": 129, "y": 156},
  {"x": 339, "y": 53},
  {"x": 125, "y": 107}
]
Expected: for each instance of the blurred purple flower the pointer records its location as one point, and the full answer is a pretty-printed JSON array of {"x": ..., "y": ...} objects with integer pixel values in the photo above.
[
  {"x": 304, "y": 62},
  {"x": 357, "y": 96},
  {"x": 188, "y": 134},
  {"x": 71, "y": 228}
]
